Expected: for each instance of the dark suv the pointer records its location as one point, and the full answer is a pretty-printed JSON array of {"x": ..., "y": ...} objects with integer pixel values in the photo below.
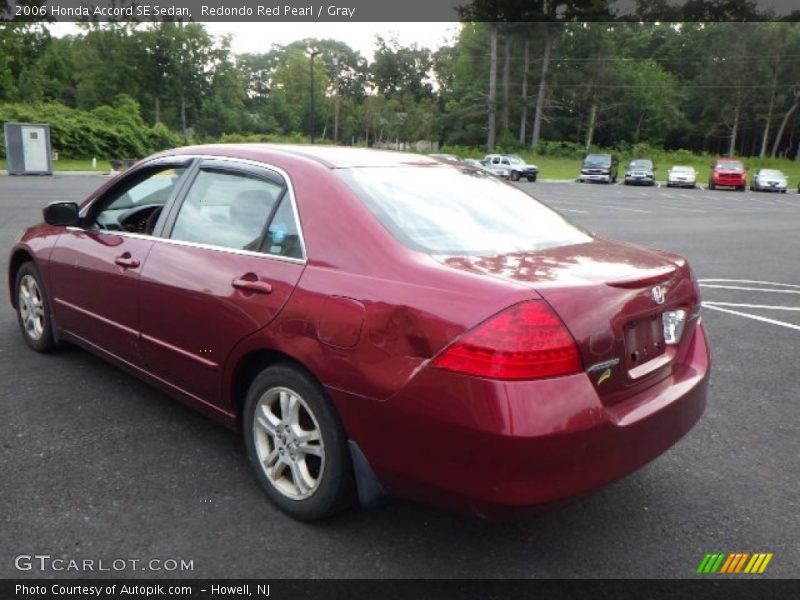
[{"x": 599, "y": 167}]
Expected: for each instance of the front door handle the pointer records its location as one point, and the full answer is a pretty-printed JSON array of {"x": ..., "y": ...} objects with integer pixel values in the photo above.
[
  {"x": 259, "y": 287},
  {"x": 127, "y": 261}
]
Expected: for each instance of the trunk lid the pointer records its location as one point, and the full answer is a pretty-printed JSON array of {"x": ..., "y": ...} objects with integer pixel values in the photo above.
[{"x": 611, "y": 296}]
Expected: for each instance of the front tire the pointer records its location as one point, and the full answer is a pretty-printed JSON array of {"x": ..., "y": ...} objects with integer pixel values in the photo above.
[
  {"x": 532, "y": 178},
  {"x": 297, "y": 445},
  {"x": 33, "y": 309}
]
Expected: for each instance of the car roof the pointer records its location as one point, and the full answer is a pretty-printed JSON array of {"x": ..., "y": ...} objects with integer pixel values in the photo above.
[{"x": 334, "y": 157}]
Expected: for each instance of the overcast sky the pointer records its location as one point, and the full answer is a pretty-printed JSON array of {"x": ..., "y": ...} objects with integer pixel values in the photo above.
[{"x": 259, "y": 36}]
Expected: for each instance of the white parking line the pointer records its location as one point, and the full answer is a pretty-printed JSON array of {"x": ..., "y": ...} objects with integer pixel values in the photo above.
[
  {"x": 573, "y": 210},
  {"x": 749, "y": 289},
  {"x": 764, "y": 306},
  {"x": 685, "y": 209},
  {"x": 713, "y": 306},
  {"x": 772, "y": 283},
  {"x": 636, "y": 210}
]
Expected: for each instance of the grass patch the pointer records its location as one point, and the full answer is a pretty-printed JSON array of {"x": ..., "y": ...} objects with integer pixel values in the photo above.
[{"x": 103, "y": 166}]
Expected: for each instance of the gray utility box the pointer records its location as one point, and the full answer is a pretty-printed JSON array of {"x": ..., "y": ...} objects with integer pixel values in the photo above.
[{"x": 28, "y": 149}]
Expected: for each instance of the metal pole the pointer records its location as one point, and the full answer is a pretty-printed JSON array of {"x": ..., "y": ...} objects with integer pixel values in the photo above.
[{"x": 311, "y": 116}]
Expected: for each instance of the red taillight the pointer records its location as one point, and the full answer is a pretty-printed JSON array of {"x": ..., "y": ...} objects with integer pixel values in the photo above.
[{"x": 526, "y": 341}]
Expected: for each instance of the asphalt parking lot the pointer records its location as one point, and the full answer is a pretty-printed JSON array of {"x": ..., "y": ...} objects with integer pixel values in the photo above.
[{"x": 96, "y": 465}]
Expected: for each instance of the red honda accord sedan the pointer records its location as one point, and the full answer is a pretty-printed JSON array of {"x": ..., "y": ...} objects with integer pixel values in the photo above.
[{"x": 375, "y": 323}]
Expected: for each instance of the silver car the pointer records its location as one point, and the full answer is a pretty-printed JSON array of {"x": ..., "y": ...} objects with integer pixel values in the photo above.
[{"x": 768, "y": 180}]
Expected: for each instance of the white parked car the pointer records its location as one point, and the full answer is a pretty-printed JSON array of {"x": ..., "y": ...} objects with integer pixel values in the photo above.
[
  {"x": 682, "y": 176},
  {"x": 510, "y": 164},
  {"x": 768, "y": 180}
]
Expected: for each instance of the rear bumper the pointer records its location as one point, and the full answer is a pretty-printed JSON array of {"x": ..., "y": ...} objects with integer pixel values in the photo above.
[
  {"x": 640, "y": 180},
  {"x": 607, "y": 178},
  {"x": 493, "y": 448},
  {"x": 729, "y": 181},
  {"x": 771, "y": 187},
  {"x": 681, "y": 183}
]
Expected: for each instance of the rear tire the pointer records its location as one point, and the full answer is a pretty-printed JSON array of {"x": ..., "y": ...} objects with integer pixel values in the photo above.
[
  {"x": 33, "y": 309},
  {"x": 711, "y": 186},
  {"x": 297, "y": 445},
  {"x": 514, "y": 176}
]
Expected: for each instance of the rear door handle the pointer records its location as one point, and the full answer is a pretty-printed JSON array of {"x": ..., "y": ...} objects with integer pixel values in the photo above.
[
  {"x": 127, "y": 261},
  {"x": 259, "y": 287}
]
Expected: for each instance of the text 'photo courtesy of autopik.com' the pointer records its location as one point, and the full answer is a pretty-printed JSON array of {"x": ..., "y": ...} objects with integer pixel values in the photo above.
[{"x": 464, "y": 298}]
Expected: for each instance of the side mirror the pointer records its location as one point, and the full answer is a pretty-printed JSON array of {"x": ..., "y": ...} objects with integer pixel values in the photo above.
[{"x": 61, "y": 214}]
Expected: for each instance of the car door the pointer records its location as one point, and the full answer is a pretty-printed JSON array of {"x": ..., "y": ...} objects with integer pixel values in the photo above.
[
  {"x": 95, "y": 268},
  {"x": 230, "y": 258}
]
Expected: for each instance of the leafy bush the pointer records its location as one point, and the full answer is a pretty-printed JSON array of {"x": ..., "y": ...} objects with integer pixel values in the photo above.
[
  {"x": 561, "y": 149},
  {"x": 263, "y": 138},
  {"x": 105, "y": 132}
]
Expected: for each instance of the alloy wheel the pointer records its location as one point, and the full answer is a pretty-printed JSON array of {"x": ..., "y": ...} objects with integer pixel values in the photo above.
[
  {"x": 288, "y": 442},
  {"x": 31, "y": 307}
]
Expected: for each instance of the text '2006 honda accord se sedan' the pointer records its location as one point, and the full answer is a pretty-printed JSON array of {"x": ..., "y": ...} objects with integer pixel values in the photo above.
[{"x": 375, "y": 323}]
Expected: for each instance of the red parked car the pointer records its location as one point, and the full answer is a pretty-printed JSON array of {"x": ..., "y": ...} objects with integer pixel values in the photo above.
[
  {"x": 727, "y": 172},
  {"x": 375, "y": 322}
]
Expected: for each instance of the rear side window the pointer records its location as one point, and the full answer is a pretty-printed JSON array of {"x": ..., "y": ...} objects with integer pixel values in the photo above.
[
  {"x": 447, "y": 210},
  {"x": 228, "y": 210}
]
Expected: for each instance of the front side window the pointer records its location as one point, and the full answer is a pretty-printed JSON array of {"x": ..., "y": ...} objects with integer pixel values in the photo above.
[
  {"x": 137, "y": 204},
  {"x": 444, "y": 210},
  {"x": 232, "y": 210}
]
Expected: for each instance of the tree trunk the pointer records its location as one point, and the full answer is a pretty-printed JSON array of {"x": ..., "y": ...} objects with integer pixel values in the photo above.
[
  {"x": 507, "y": 83},
  {"x": 537, "y": 115},
  {"x": 523, "y": 119},
  {"x": 735, "y": 128},
  {"x": 492, "y": 127},
  {"x": 183, "y": 112},
  {"x": 336, "y": 118},
  {"x": 158, "y": 110},
  {"x": 797, "y": 152},
  {"x": 638, "y": 128},
  {"x": 785, "y": 120},
  {"x": 592, "y": 121},
  {"x": 765, "y": 137}
]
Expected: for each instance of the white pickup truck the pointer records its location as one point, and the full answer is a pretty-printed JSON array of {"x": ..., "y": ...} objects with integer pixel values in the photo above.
[{"x": 511, "y": 166}]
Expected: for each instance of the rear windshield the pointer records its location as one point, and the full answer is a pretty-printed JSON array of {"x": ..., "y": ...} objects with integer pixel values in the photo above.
[
  {"x": 444, "y": 210},
  {"x": 732, "y": 166}
]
